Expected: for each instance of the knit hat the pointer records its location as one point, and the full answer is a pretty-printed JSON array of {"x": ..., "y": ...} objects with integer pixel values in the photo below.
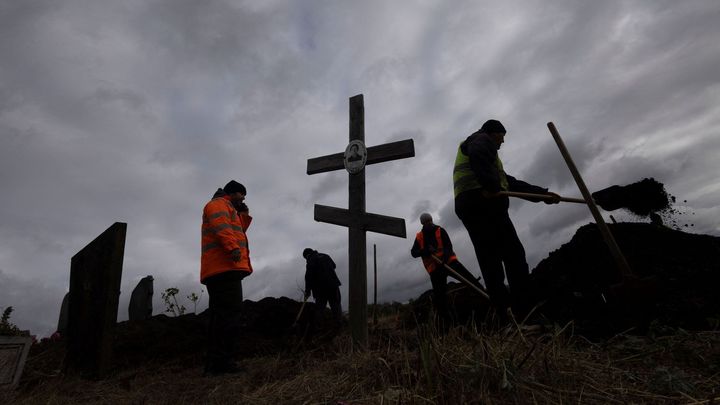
[
  {"x": 234, "y": 187},
  {"x": 425, "y": 218},
  {"x": 492, "y": 126}
]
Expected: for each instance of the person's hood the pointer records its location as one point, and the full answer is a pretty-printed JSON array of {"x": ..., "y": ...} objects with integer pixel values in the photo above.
[
  {"x": 219, "y": 193},
  {"x": 472, "y": 137}
]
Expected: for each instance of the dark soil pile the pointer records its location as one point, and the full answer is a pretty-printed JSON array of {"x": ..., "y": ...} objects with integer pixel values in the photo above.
[
  {"x": 642, "y": 198},
  {"x": 267, "y": 328},
  {"x": 678, "y": 276}
]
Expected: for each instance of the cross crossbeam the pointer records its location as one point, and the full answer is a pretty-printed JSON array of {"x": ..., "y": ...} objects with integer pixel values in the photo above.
[
  {"x": 375, "y": 154},
  {"x": 365, "y": 221}
]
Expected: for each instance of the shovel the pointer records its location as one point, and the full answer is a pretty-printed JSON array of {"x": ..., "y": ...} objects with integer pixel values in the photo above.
[
  {"x": 631, "y": 285},
  {"x": 602, "y": 198},
  {"x": 539, "y": 196},
  {"x": 461, "y": 278},
  {"x": 297, "y": 318}
]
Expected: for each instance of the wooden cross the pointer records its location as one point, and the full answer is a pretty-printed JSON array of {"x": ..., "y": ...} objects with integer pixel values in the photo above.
[{"x": 354, "y": 159}]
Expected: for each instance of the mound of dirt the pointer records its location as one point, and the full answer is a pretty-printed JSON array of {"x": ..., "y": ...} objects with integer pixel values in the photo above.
[
  {"x": 642, "y": 198},
  {"x": 267, "y": 328},
  {"x": 678, "y": 274}
]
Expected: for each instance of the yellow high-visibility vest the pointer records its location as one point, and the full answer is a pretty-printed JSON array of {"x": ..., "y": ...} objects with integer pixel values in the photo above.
[{"x": 464, "y": 179}]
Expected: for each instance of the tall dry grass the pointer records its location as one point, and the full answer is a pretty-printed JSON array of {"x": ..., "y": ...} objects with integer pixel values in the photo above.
[{"x": 417, "y": 365}]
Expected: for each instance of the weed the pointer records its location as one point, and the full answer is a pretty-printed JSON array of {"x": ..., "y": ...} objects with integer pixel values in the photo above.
[
  {"x": 7, "y": 328},
  {"x": 171, "y": 304},
  {"x": 194, "y": 298}
]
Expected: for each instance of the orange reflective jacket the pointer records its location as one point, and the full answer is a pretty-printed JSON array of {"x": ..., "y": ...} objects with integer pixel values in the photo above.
[
  {"x": 223, "y": 230},
  {"x": 429, "y": 262}
]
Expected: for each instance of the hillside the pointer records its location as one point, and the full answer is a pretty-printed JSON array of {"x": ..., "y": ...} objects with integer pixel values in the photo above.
[{"x": 594, "y": 345}]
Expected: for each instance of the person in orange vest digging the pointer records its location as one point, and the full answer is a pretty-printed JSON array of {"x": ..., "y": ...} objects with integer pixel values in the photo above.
[
  {"x": 323, "y": 283},
  {"x": 431, "y": 241},
  {"x": 224, "y": 262}
]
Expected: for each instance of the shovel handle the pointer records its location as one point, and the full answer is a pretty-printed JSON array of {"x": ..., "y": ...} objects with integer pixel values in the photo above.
[
  {"x": 297, "y": 318},
  {"x": 463, "y": 279},
  {"x": 540, "y": 196},
  {"x": 604, "y": 230}
]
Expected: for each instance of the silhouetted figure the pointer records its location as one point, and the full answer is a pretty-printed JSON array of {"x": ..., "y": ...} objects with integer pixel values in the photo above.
[
  {"x": 478, "y": 176},
  {"x": 322, "y": 282},
  {"x": 433, "y": 240},
  {"x": 225, "y": 261}
]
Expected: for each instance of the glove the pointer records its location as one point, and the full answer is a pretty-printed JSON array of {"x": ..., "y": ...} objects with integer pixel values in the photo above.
[
  {"x": 554, "y": 200},
  {"x": 241, "y": 207},
  {"x": 235, "y": 255}
]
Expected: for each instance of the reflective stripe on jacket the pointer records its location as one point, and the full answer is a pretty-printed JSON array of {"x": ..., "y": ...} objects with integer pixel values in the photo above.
[
  {"x": 464, "y": 178},
  {"x": 430, "y": 263},
  {"x": 223, "y": 230}
]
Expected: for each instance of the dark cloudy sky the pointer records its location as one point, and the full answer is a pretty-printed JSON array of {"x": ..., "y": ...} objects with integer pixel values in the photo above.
[{"x": 136, "y": 111}]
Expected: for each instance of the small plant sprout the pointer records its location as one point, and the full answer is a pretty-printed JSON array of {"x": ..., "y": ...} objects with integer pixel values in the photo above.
[
  {"x": 194, "y": 298},
  {"x": 171, "y": 304}
]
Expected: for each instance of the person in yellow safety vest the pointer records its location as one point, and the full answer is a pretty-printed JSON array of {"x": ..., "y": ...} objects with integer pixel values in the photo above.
[
  {"x": 478, "y": 176},
  {"x": 224, "y": 262},
  {"x": 433, "y": 240}
]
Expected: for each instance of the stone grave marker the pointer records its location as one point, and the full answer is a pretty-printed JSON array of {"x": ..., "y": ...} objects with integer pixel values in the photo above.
[
  {"x": 140, "y": 306},
  {"x": 95, "y": 274},
  {"x": 63, "y": 319}
]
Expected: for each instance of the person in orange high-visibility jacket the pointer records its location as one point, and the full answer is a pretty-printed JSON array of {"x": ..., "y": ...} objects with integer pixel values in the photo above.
[
  {"x": 224, "y": 242},
  {"x": 433, "y": 240},
  {"x": 224, "y": 262}
]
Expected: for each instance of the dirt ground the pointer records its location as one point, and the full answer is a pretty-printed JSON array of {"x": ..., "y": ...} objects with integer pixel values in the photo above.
[
  {"x": 675, "y": 281},
  {"x": 655, "y": 332}
]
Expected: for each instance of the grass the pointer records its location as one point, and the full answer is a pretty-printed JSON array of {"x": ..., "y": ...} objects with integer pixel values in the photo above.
[{"x": 414, "y": 365}]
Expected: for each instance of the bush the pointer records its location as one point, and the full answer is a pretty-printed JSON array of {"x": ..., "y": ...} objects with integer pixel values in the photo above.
[{"x": 7, "y": 328}]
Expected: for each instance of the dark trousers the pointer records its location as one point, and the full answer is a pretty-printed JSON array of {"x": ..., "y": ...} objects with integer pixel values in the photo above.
[
  {"x": 322, "y": 299},
  {"x": 438, "y": 278},
  {"x": 225, "y": 291},
  {"x": 498, "y": 250}
]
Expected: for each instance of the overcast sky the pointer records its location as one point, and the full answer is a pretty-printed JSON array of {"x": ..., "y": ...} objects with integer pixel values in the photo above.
[{"x": 136, "y": 111}]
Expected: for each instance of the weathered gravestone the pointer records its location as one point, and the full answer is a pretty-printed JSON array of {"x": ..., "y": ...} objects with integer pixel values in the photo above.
[
  {"x": 140, "y": 306},
  {"x": 354, "y": 160},
  {"x": 95, "y": 274},
  {"x": 63, "y": 319},
  {"x": 13, "y": 353}
]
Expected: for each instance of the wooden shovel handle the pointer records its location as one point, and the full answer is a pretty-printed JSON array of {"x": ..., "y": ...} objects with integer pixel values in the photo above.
[
  {"x": 463, "y": 279},
  {"x": 540, "y": 196},
  {"x": 297, "y": 318},
  {"x": 604, "y": 230}
]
